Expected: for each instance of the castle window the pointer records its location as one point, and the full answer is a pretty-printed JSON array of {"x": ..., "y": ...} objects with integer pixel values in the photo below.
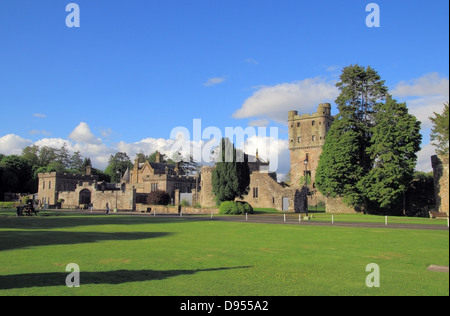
[
  {"x": 255, "y": 192},
  {"x": 299, "y": 140},
  {"x": 298, "y": 124},
  {"x": 314, "y": 138},
  {"x": 313, "y": 123},
  {"x": 43, "y": 185},
  {"x": 49, "y": 185},
  {"x": 154, "y": 187}
]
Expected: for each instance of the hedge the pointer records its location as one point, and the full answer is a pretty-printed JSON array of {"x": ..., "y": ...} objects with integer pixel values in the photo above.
[{"x": 235, "y": 208}]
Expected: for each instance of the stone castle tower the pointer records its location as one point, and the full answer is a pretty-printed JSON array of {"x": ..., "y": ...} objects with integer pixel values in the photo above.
[{"x": 306, "y": 139}]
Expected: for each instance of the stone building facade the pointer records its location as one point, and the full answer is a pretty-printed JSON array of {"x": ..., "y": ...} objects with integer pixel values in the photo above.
[
  {"x": 153, "y": 176},
  {"x": 440, "y": 166},
  {"x": 306, "y": 139},
  {"x": 265, "y": 191},
  {"x": 83, "y": 191}
]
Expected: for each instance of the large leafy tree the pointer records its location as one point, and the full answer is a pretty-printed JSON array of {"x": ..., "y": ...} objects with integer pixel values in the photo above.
[
  {"x": 369, "y": 154},
  {"x": 395, "y": 141},
  {"x": 339, "y": 166},
  {"x": 440, "y": 131},
  {"x": 231, "y": 177},
  {"x": 117, "y": 165}
]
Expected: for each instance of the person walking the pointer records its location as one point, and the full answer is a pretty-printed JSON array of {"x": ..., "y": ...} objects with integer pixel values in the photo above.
[{"x": 107, "y": 208}]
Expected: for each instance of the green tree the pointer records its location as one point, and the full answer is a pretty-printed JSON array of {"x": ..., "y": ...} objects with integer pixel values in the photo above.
[
  {"x": 339, "y": 166},
  {"x": 76, "y": 163},
  {"x": 440, "y": 131},
  {"x": 370, "y": 150},
  {"x": 16, "y": 174},
  {"x": 231, "y": 177},
  {"x": 361, "y": 89},
  {"x": 395, "y": 141},
  {"x": 117, "y": 165}
]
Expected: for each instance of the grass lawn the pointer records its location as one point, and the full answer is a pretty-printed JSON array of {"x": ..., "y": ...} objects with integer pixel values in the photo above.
[{"x": 135, "y": 255}]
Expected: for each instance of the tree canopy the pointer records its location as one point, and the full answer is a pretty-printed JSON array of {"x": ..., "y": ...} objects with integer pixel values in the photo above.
[
  {"x": 369, "y": 154},
  {"x": 230, "y": 178},
  {"x": 440, "y": 131}
]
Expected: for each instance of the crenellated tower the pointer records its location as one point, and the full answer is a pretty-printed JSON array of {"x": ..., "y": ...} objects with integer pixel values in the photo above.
[{"x": 306, "y": 138}]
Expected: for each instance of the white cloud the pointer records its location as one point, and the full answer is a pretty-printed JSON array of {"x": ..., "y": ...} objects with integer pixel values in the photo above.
[
  {"x": 39, "y": 115},
  {"x": 82, "y": 134},
  {"x": 274, "y": 102},
  {"x": 251, "y": 61},
  {"x": 12, "y": 144},
  {"x": 259, "y": 123},
  {"x": 214, "y": 81},
  {"x": 424, "y": 158},
  {"x": 424, "y": 96}
]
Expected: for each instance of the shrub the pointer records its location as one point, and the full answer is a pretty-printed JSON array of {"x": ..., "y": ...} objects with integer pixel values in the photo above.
[
  {"x": 235, "y": 208},
  {"x": 185, "y": 203},
  {"x": 158, "y": 198}
]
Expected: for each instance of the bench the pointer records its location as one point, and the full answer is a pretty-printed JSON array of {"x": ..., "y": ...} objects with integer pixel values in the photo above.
[
  {"x": 439, "y": 215},
  {"x": 26, "y": 210}
]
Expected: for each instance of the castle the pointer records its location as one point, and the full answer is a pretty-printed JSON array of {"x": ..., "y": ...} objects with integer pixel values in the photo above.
[{"x": 306, "y": 138}]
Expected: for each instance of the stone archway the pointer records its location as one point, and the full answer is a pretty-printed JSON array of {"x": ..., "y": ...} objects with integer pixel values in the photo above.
[{"x": 85, "y": 197}]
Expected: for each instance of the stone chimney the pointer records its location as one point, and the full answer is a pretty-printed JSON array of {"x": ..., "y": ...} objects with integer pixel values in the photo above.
[
  {"x": 158, "y": 157},
  {"x": 88, "y": 170}
]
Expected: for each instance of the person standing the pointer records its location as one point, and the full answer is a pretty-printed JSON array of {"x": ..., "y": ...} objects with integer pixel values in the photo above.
[{"x": 107, "y": 208}]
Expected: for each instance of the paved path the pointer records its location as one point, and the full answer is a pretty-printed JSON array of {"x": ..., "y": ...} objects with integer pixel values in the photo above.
[{"x": 291, "y": 219}]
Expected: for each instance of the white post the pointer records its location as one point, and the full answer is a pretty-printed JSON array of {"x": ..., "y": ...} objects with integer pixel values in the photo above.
[
  {"x": 181, "y": 213},
  {"x": 448, "y": 222},
  {"x": 285, "y": 217},
  {"x": 154, "y": 212},
  {"x": 299, "y": 218},
  {"x": 332, "y": 219},
  {"x": 211, "y": 215},
  {"x": 246, "y": 216},
  {"x": 386, "y": 220}
]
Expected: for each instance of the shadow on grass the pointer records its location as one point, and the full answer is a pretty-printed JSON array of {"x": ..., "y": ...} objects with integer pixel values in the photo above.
[
  {"x": 19, "y": 281},
  {"x": 62, "y": 220},
  {"x": 24, "y": 239}
]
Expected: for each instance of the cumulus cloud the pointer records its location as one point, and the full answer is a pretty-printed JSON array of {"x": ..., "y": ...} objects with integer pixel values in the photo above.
[
  {"x": 274, "y": 102},
  {"x": 424, "y": 158},
  {"x": 82, "y": 134},
  {"x": 12, "y": 144},
  {"x": 424, "y": 96}
]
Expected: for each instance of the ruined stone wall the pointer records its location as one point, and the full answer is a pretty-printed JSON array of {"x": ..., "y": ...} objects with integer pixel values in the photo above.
[
  {"x": 160, "y": 209},
  {"x": 337, "y": 205},
  {"x": 441, "y": 182},
  {"x": 265, "y": 192},
  {"x": 206, "y": 194}
]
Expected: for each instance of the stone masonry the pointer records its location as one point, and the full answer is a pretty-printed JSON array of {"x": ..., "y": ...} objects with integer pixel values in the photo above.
[{"x": 441, "y": 178}]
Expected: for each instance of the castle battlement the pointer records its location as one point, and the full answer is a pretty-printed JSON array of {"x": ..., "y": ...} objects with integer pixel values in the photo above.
[{"x": 66, "y": 176}]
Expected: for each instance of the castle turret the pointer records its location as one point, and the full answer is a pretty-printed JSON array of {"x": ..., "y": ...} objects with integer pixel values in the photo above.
[{"x": 306, "y": 138}]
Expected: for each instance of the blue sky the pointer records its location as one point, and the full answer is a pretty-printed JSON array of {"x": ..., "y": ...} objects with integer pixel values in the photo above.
[{"x": 136, "y": 69}]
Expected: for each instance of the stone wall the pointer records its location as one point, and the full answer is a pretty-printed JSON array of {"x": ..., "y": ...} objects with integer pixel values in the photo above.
[
  {"x": 265, "y": 192},
  {"x": 206, "y": 195},
  {"x": 441, "y": 178},
  {"x": 124, "y": 199},
  {"x": 337, "y": 205},
  {"x": 160, "y": 209}
]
